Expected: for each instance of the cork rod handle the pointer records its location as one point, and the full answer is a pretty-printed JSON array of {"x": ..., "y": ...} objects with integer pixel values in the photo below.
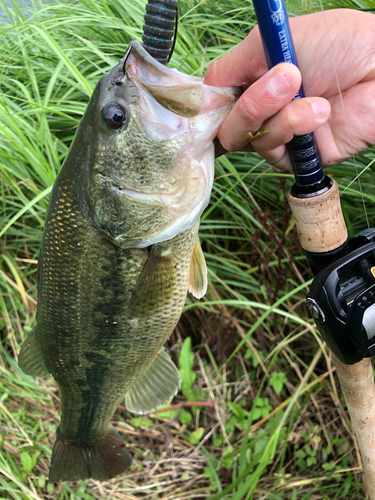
[
  {"x": 319, "y": 220},
  {"x": 357, "y": 384}
]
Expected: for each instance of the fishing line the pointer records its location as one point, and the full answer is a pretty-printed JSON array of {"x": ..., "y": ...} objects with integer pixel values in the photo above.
[{"x": 348, "y": 134}]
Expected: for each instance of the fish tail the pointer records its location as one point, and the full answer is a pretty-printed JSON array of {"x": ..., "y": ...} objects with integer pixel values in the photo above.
[{"x": 101, "y": 459}]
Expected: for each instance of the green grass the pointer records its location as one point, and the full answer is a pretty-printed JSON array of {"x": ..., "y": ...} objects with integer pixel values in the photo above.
[{"x": 277, "y": 429}]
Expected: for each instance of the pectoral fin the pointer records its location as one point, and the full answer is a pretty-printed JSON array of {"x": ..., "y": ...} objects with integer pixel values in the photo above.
[
  {"x": 155, "y": 285},
  {"x": 30, "y": 359},
  {"x": 155, "y": 387},
  {"x": 197, "y": 285}
]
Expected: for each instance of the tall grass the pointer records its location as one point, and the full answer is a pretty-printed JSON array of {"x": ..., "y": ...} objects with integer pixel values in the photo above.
[{"x": 277, "y": 429}]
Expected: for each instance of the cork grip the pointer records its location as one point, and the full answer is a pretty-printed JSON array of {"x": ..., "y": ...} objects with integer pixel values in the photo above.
[
  {"x": 357, "y": 383},
  {"x": 319, "y": 220}
]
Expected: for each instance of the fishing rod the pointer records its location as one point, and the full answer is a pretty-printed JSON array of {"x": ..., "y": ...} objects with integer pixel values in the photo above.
[{"x": 342, "y": 296}]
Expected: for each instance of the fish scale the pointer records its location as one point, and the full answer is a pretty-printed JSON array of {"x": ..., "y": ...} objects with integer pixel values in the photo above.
[{"x": 120, "y": 251}]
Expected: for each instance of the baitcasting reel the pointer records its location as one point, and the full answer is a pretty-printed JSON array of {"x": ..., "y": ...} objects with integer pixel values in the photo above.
[{"x": 342, "y": 301}]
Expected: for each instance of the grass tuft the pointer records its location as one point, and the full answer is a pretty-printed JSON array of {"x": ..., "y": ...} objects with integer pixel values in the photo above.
[{"x": 270, "y": 424}]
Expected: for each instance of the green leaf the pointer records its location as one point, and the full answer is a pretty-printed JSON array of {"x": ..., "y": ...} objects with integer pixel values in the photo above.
[
  {"x": 328, "y": 465},
  {"x": 230, "y": 425},
  {"x": 251, "y": 355},
  {"x": 228, "y": 457},
  {"x": 41, "y": 482},
  {"x": 240, "y": 413},
  {"x": 196, "y": 436},
  {"x": 261, "y": 408},
  {"x": 217, "y": 441},
  {"x": 260, "y": 445},
  {"x": 26, "y": 461},
  {"x": 311, "y": 461},
  {"x": 171, "y": 414},
  {"x": 207, "y": 472},
  {"x": 142, "y": 422},
  {"x": 50, "y": 488},
  {"x": 185, "y": 362},
  {"x": 185, "y": 417},
  {"x": 277, "y": 381}
]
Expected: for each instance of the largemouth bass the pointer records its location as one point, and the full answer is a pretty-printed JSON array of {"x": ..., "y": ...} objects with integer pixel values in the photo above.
[{"x": 120, "y": 250}]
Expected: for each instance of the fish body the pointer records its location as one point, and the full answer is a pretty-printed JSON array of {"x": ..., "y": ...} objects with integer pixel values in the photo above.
[{"x": 120, "y": 250}]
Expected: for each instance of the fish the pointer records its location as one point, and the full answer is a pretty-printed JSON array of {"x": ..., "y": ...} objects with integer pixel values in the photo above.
[{"x": 120, "y": 251}]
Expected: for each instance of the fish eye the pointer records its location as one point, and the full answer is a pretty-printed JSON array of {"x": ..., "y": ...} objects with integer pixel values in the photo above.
[{"x": 114, "y": 114}]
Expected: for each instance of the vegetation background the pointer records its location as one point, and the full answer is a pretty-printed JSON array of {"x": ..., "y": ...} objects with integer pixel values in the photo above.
[{"x": 270, "y": 422}]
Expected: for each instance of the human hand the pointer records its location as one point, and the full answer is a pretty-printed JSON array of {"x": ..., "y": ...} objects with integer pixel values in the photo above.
[{"x": 341, "y": 41}]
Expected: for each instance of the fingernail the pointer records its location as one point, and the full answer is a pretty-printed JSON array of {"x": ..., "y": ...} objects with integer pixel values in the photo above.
[
  {"x": 320, "y": 109},
  {"x": 279, "y": 84}
]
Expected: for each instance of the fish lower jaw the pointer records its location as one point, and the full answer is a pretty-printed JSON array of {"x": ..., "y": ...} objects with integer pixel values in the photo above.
[{"x": 171, "y": 201}]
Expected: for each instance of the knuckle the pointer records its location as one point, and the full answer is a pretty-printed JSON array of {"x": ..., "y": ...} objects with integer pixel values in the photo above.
[
  {"x": 227, "y": 143},
  {"x": 290, "y": 117},
  {"x": 251, "y": 108},
  {"x": 279, "y": 158}
]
